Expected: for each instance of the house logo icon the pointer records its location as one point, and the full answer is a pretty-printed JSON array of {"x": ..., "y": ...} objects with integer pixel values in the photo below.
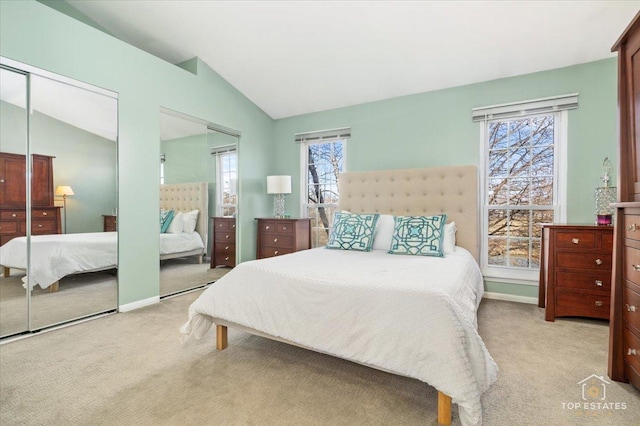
[{"x": 594, "y": 388}]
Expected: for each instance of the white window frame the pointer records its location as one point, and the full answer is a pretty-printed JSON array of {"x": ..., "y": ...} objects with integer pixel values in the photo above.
[
  {"x": 509, "y": 274},
  {"x": 220, "y": 174},
  {"x": 304, "y": 175}
]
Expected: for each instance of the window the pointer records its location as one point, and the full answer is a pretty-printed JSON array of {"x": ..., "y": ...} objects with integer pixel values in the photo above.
[
  {"x": 227, "y": 167},
  {"x": 523, "y": 188},
  {"x": 323, "y": 159}
]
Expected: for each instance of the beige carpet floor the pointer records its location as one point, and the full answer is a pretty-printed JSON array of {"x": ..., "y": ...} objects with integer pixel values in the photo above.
[
  {"x": 131, "y": 369},
  {"x": 185, "y": 273}
]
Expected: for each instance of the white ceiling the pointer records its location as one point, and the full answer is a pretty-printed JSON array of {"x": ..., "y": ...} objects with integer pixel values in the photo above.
[{"x": 292, "y": 58}]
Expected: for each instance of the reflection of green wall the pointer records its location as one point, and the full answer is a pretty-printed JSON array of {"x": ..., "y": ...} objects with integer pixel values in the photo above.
[
  {"x": 37, "y": 35},
  {"x": 84, "y": 161}
]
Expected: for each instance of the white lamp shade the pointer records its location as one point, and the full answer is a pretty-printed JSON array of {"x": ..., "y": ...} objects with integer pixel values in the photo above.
[
  {"x": 64, "y": 190},
  {"x": 278, "y": 184}
]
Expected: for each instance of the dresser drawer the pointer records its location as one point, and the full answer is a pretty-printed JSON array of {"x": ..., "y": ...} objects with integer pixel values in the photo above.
[
  {"x": 273, "y": 251},
  {"x": 578, "y": 240},
  {"x": 631, "y": 308},
  {"x": 13, "y": 214},
  {"x": 595, "y": 261},
  {"x": 632, "y": 265},
  {"x": 285, "y": 228},
  {"x": 8, "y": 228},
  {"x": 631, "y": 226},
  {"x": 268, "y": 227},
  {"x": 585, "y": 280},
  {"x": 277, "y": 240},
  {"x": 584, "y": 302},
  {"x": 225, "y": 259},
  {"x": 225, "y": 236},
  {"x": 42, "y": 226},
  {"x": 222, "y": 248},
  {"x": 42, "y": 213},
  {"x": 224, "y": 224},
  {"x": 631, "y": 348}
]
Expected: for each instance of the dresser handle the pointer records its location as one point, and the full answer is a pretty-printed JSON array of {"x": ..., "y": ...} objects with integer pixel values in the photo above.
[
  {"x": 266, "y": 227},
  {"x": 632, "y": 228},
  {"x": 284, "y": 228},
  {"x": 598, "y": 303},
  {"x": 233, "y": 226},
  {"x": 13, "y": 215},
  {"x": 220, "y": 225},
  {"x": 2, "y": 180},
  {"x": 39, "y": 225},
  {"x": 226, "y": 248},
  {"x": 275, "y": 252},
  {"x": 226, "y": 236},
  {"x": 631, "y": 351},
  {"x": 275, "y": 240},
  {"x": 636, "y": 267},
  {"x": 575, "y": 240},
  {"x": 226, "y": 258},
  {"x": 631, "y": 308},
  {"x": 44, "y": 213},
  {"x": 599, "y": 283},
  {"x": 598, "y": 262}
]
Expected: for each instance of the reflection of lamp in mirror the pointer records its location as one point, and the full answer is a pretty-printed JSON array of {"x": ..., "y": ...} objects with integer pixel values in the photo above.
[
  {"x": 64, "y": 191},
  {"x": 278, "y": 185},
  {"x": 605, "y": 195}
]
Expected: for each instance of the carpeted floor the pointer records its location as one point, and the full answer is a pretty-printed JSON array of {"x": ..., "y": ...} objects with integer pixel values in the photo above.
[
  {"x": 185, "y": 273},
  {"x": 131, "y": 369}
]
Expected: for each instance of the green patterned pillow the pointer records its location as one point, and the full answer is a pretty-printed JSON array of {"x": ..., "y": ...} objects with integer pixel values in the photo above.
[
  {"x": 352, "y": 231},
  {"x": 166, "y": 216},
  {"x": 418, "y": 235}
]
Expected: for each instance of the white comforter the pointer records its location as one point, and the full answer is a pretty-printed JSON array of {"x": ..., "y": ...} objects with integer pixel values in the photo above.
[
  {"x": 411, "y": 315},
  {"x": 179, "y": 243},
  {"x": 56, "y": 256}
]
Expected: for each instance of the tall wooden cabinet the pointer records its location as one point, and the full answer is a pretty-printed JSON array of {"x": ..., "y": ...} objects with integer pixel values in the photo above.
[
  {"x": 45, "y": 217},
  {"x": 624, "y": 337}
]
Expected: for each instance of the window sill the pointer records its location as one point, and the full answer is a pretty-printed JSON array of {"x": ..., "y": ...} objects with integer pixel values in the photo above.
[{"x": 497, "y": 275}]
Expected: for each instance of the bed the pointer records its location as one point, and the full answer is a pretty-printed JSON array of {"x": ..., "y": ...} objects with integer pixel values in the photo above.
[
  {"x": 56, "y": 256},
  {"x": 413, "y": 316}
]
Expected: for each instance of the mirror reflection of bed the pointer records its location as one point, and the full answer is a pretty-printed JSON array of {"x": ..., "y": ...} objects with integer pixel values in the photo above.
[{"x": 191, "y": 180}]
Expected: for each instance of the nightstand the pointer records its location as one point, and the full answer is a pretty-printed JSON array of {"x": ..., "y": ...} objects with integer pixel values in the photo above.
[
  {"x": 575, "y": 271},
  {"x": 223, "y": 250},
  {"x": 282, "y": 236},
  {"x": 109, "y": 223}
]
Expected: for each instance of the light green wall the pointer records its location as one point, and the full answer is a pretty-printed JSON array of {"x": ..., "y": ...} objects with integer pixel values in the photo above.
[
  {"x": 84, "y": 161},
  {"x": 435, "y": 129},
  {"x": 40, "y": 36}
]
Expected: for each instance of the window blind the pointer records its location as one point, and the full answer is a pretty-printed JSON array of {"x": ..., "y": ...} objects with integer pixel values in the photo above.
[
  {"x": 322, "y": 135},
  {"x": 535, "y": 106},
  {"x": 222, "y": 149}
]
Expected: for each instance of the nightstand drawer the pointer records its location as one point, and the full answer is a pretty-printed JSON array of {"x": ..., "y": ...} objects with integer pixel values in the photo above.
[
  {"x": 273, "y": 251},
  {"x": 577, "y": 240},
  {"x": 584, "y": 280},
  {"x": 631, "y": 308},
  {"x": 277, "y": 240},
  {"x": 582, "y": 301},
  {"x": 595, "y": 261}
]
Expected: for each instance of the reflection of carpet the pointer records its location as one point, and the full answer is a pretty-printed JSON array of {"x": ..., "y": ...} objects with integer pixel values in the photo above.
[
  {"x": 182, "y": 274},
  {"x": 78, "y": 296}
]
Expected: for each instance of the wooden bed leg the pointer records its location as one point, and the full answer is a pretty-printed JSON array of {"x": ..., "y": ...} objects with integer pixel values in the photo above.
[
  {"x": 221, "y": 337},
  {"x": 200, "y": 259},
  {"x": 444, "y": 409},
  {"x": 54, "y": 287},
  {"x": 6, "y": 272}
]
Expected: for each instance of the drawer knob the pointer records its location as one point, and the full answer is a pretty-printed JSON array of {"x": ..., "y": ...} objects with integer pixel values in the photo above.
[
  {"x": 226, "y": 248},
  {"x": 275, "y": 252},
  {"x": 636, "y": 267},
  {"x": 44, "y": 213},
  {"x": 575, "y": 240},
  {"x": 226, "y": 236},
  {"x": 233, "y": 226},
  {"x": 39, "y": 225},
  {"x": 275, "y": 240},
  {"x": 266, "y": 227},
  {"x": 631, "y": 308},
  {"x": 598, "y": 303},
  {"x": 632, "y": 227},
  {"x": 13, "y": 215},
  {"x": 598, "y": 262},
  {"x": 599, "y": 283},
  {"x": 220, "y": 225},
  {"x": 226, "y": 258},
  {"x": 284, "y": 228},
  {"x": 632, "y": 351}
]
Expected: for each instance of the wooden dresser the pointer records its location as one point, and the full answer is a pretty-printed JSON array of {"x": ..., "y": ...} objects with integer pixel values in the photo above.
[
  {"x": 45, "y": 217},
  {"x": 575, "y": 274},
  {"x": 624, "y": 328},
  {"x": 223, "y": 250},
  {"x": 282, "y": 236},
  {"x": 109, "y": 223}
]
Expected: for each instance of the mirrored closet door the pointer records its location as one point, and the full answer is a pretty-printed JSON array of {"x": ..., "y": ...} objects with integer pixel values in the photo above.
[
  {"x": 198, "y": 179},
  {"x": 63, "y": 179}
]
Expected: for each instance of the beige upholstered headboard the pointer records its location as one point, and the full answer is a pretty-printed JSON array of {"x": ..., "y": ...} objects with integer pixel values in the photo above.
[
  {"x": 184, "y": 197},
  {"x": 418, "y": 192}
]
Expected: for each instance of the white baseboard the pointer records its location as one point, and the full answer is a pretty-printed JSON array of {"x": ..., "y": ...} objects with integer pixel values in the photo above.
[
  {"x": 511, "y": 298},
  {"x": 139, "y": 304}
]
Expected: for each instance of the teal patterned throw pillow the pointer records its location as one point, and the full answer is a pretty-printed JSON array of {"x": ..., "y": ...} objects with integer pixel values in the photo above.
[
  {"x": 418, "y": 235},
  {"x": 166, "y": 216},
  {"x": 352, "y": 231}
]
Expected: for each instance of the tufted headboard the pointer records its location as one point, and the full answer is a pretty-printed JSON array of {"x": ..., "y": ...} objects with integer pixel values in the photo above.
[
  {"x": 184, "y": 197},
  {"x": 452, "y": 190}
]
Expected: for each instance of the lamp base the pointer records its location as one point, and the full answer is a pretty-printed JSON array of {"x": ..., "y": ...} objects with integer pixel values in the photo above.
[
  {"x": 278, "y": 205},
  {"x": 603, "y": 219}
]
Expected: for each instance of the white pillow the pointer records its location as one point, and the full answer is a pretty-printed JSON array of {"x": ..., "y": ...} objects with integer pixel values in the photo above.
[
  {"x": 190, "y": 219},
  {"x": 449, "y": 240},
  {"x": 384, "y": 232},
  {"x": 176, "y": 225}
]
